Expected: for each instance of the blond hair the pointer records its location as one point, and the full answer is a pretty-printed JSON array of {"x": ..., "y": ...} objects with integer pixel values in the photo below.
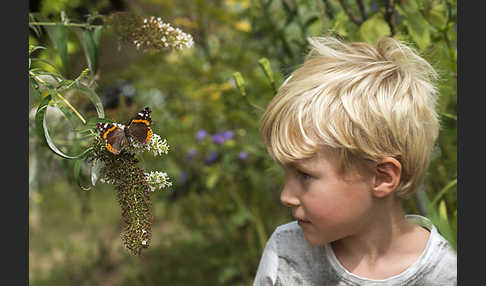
[{"x": 360, "y": 101}]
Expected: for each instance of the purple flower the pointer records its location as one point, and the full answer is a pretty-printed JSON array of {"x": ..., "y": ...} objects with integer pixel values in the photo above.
[
  {"x": 219, "y": 138},
  {"x": 201, "y": 134},
  {"x": 211, "y": 158},
  {"x": 191, "y": 153},
  {"x": 243, "y": 155},
  {"x": 228, "y": 135},
  {"x": 374, "y": 7},
  {"x": 183, "y": 177}
]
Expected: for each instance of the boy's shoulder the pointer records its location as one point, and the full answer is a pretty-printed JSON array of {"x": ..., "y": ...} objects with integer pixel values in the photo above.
[
  {"x": 289, "y": 240},
  {"x": 291, "y": 228},
  {"x": 297, "y": 259},
  {"x": 440, "y": 262}
]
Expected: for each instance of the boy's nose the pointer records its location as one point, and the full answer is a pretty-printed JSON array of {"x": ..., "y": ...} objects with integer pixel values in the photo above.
[{"x": 288, "y": 198}]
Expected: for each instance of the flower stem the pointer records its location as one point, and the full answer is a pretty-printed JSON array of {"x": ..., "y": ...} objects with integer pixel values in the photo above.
[
  {"x": 62, "y": 98},
  {"x": 81, "y": 25}
]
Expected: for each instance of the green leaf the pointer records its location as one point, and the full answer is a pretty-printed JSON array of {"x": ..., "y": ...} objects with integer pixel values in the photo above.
[
  {"x": 78, "y": 163},
  {"x": 91, "y": 124},
  {"x": 90, "y": 40},
  {"x": 64, "y": 18},
  {"x": 438, "y": 216},
  {"x": 240, "y": 82},
  {"x": 212, "y": 179},
  {"x": 267, "y": 70},
  {"x": 241, "y": 217},
  {"x": 34, "y": 88},
  {"x": 95, "y": 171},
  {"x": 93, "y": 97},
  {"x": 418, "y": 29},
  {"x": 437, "y": 15},
  {"x": 69, "y": 115},
  {"x": 443, "y": 210},
  {"x": 291, "y": 13},
  {"x": 311, "y": 21},
  {"x": 41, "y": 124},
  {"x": 417, "y": 26},
  {"x": 373, "y": 29},
  {"x": 443, "y": 191},
  {"x": 267, "y": 4},
  {"x": 59, "y": 37},
  {"x": 35, "y": 28},
  {"x": 340, "y": 22},
  {"x": 45, "y": 62},
  {"x": 63, "y": 83},
  {"x": 50, "y": 80},
  {"x": 227, "y": 274},
  {"x": 32, "y": 49},
  {"x": 409, "y": 6}
]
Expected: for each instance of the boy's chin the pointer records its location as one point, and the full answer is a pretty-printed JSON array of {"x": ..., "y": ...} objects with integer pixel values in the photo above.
[{"x": 314, "y": 240}]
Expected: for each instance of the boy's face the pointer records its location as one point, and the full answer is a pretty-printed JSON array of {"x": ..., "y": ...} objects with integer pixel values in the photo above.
[{"x": 328, "y": 206}]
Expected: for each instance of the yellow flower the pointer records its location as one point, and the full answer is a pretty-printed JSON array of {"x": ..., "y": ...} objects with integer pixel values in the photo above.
[
  {"x": 215, "y": 95},
  {"x": 243, "y": 26}
]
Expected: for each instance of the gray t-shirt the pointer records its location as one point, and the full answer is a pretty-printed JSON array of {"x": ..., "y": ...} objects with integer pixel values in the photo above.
[{"x": 288, "y": 259}]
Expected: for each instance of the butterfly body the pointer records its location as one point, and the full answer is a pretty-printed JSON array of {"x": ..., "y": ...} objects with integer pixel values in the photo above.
[{"x": 117, "y": 137}]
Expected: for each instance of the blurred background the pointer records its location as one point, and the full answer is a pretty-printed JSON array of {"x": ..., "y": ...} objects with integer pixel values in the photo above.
[{"x": 211, "y": 225}]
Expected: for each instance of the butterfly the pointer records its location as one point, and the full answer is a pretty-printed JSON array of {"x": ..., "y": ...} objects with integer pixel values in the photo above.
[{"x": 117, "y": 137}]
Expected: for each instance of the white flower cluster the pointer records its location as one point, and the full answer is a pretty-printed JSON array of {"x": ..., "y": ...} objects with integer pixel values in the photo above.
[
  {"x": 158, "y": 180},
  {"x": 157, "y": 145},
  {"x": 163, "y": 35},
  {"x": 107, "y": 181}
]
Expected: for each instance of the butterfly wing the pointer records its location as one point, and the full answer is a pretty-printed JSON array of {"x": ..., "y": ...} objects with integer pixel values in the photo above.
[
  {"x": 139, "y": 127},
  {"x": 115, "y": 137}
]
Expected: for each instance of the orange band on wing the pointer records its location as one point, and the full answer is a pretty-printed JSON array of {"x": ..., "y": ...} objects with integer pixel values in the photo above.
[
  {"x": 141, "y": 120},
  {"x": 110, "y": 148},
  {"x": 149, "y": 136},
  {"x": 108, "y": 131}
]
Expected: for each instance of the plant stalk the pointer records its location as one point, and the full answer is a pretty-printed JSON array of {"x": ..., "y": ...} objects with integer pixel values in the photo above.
[
  {"x": 80, "y": 25},
  {"x": 62, "y": 98}
]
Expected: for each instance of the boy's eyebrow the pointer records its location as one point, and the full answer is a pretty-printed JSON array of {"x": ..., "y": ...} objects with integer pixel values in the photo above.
[{"x": 300, "y": 166}]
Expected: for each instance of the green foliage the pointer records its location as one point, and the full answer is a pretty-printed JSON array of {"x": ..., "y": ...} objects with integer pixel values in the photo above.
[
  {"x": 373, "y": 29},
  {"x": 221, "y": 209},
  {"x": 51, "y": 88},
  {"x": 90, "y": 40}
]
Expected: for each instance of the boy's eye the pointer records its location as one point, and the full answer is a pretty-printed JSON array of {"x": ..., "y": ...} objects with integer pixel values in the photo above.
[{"x": 304, "y": 176}]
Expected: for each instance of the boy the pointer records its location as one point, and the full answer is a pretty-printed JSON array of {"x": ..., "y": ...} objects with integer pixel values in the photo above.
[{"x": 353, "y": 129}]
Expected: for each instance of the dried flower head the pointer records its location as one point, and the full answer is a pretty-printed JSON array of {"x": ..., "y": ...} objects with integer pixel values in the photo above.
[
  {"x": 133, "y": 185},
  {"x": 149, "y": 33},
  {"x": 133, "y": 193}
]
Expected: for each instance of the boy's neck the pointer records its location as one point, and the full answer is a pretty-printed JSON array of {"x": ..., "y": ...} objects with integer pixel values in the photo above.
[{"x": 386, "y": 246}]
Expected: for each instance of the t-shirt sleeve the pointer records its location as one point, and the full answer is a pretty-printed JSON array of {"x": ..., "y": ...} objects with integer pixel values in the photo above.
[{"x": 267, "y": 268}]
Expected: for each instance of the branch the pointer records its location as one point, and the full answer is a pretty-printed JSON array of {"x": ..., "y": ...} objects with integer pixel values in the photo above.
[
  {"x": 328, "y": 9},
  {"x": 348, "y": 12},
  {"x": 390, "y": 15},
  {"x": 80, "y": 25},
  {"x": 362, "y": 10}
]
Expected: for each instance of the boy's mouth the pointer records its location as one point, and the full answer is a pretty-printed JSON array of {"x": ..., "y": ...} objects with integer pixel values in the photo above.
[{"x": 302, "y": 221}]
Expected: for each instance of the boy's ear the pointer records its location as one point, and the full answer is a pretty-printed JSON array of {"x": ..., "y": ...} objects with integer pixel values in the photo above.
[{"x": 387, "y": 177}]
